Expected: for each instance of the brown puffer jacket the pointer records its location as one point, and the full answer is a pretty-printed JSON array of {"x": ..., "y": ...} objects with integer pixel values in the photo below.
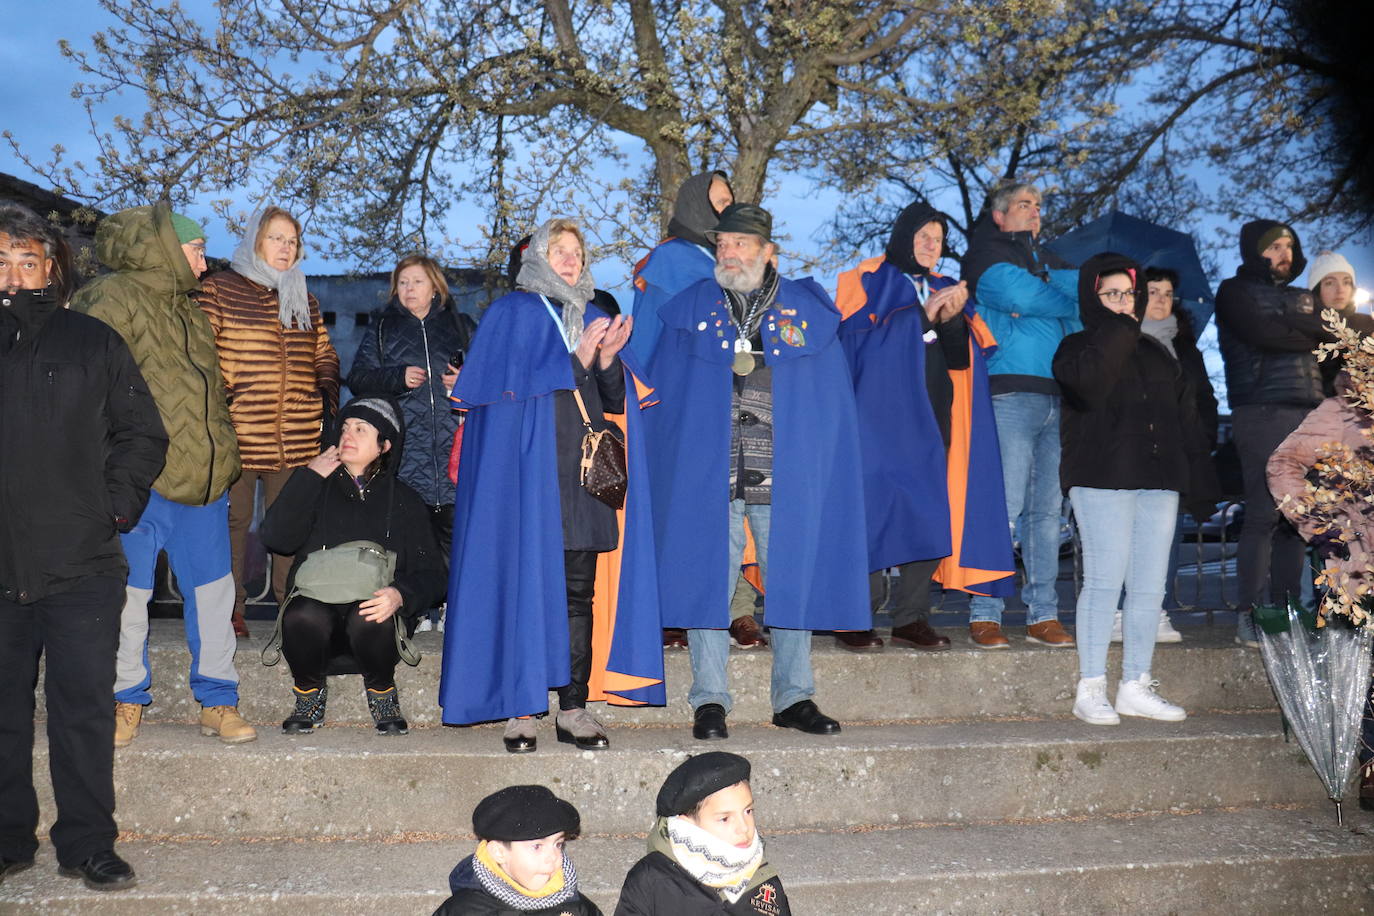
[{"x": 281, "y": 382}]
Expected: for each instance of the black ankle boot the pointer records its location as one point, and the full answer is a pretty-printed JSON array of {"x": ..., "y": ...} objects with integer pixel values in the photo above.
[
  {"x": 386, "y": 712},
  {"x": 308, "y": 713}
]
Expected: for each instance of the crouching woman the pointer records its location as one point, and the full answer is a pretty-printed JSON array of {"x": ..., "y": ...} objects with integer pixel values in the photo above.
[{"x": 350, "y": 493}]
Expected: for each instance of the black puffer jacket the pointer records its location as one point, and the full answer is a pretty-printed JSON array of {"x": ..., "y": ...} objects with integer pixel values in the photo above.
[
  {"x": 313, "y": 512},
  {"x": 658, "y": 886},
  {"x": 1130, "y": 417},
  {"x": 471, "y": 899},
  {"x": 81, "y": 442},
  {"x": 1268, "y": 329},
  {"x": 395, "y": 340}
]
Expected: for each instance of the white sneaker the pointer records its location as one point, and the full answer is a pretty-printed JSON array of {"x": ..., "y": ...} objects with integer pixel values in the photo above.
[
  {"x": 1167, "y": 633},
  {"x": 1138, "y": 698},
  {"x": 1116, "y": 627},
  {"x": 1091, "y": 704},
  {"x": 424, "y": 626}
]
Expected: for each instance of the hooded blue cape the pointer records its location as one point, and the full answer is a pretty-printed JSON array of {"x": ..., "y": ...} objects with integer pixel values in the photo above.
[
  {"x": 671, "y": 267},
  {"x": 906, "y": 494},
  {"x": 818, "y": 554},
  {"x": 506, "y": 641}
]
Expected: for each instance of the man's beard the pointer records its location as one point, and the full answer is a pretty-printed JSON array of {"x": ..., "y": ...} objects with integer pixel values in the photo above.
[
  {"x": 1282, "y": 272},
  {"x": 746, "y": 279}
]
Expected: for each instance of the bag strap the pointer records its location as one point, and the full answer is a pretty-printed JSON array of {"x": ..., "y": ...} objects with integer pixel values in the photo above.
[{"x": 582, "y": 409}]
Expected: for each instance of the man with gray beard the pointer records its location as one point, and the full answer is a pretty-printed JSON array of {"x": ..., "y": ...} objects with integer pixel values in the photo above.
[{"x": 756, "y": 420}]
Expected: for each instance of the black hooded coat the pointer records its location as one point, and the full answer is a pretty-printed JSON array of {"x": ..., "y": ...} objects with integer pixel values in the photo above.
[
  {"x": 1268, "y": 329},
  {"x": 1130, "y": 418}
]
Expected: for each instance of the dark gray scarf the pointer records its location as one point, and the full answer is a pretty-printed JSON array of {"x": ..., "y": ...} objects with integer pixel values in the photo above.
[
  {"x": 537, "y": 276},
  {"x": 293, "y": 304}
]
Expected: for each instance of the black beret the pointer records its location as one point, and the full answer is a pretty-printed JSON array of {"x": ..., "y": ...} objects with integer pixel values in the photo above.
[
  {"x": 699, "y": 777},
  {"x": 523, "y": 813}
]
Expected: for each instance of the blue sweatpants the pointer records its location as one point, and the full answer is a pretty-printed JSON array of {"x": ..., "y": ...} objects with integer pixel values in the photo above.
[{"x": 196, "y": 539}]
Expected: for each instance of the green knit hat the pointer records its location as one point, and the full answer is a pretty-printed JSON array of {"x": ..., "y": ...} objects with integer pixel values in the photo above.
[{"x": 187, "y": 229}]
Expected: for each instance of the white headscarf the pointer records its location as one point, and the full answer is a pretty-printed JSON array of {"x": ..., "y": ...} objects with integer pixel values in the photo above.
[{"x": 293, "y": 305}]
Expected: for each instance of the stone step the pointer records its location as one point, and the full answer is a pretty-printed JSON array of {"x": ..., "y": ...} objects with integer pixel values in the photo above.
[
  {"x": 1206, "y": 672},
  {"x": 348, "y": 781},
  {"x": 1257, "y": 861}
]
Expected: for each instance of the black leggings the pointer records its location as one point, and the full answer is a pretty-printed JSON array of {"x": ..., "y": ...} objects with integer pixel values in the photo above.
[
  {"x": 579, "y": 568},
  {"x": 314, "y": 632}
]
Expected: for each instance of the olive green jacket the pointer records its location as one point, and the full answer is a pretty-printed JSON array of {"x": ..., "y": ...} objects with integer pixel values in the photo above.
[{"x": 147, "y": 301}]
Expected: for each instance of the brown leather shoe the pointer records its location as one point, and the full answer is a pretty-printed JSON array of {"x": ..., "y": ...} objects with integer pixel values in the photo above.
[
  {"x": 1049, "y": 633},
  {"x": 674, "y": 638},
  {"x": 240, "y": 625},
  {"x": 919, "y": 635},
  {"x": 858, "y": 640},
  {"x": 746, "y": 633},
  {"x": 987, "y": 634}
]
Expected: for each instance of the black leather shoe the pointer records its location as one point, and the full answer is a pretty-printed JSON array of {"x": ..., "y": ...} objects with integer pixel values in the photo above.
[
  {"x": 103, "y": 871},
  {"x": 12, "y": 866},
  {"x": 708, "y": 723},
  {"x": 804, "y": 716}
]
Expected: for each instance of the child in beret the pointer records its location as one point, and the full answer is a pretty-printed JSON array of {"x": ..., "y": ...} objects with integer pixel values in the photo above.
[
  {"x": 705, "y": 856},
  {"x": 520, "y": 864}
]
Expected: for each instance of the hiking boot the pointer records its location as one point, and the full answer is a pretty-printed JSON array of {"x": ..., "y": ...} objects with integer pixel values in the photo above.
[
  {"x": 579, "y": 727},
  {"x": 309, "y": 711},
  {"x": 1091, "y": 704},
  {"x": 225, "y": 723},
  {"x": 128, "y": 716},
  {"x": 1138, "y": 698},
  {"x": 385, "y": 707}
]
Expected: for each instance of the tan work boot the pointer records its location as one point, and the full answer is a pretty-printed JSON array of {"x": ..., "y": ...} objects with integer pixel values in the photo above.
[
  {"x": 225, "y": 723},
  {"x": 127, "y": 718}
]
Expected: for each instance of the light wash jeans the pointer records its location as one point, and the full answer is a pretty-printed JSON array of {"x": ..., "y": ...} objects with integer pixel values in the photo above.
[
  {"x": 1028, "y": 434},
  {"x": 1126, "y": 536},
  {"x": 710, "y": 649}
]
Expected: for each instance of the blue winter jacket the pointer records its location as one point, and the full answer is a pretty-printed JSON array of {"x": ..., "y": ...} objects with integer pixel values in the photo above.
[{"x": 1029, "y": 301}]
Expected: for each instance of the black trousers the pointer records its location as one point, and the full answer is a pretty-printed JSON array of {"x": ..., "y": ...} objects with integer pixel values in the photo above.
[
  {"x": 78, "y": 630},
  {"x": 579, "y": 569},
  {"x": 907, "y": 595},
  {"x": 313, "y": 633},
  {"x": 1270, "y": 555}
]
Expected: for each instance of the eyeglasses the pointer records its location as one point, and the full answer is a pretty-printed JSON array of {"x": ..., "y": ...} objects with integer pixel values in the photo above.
[
  {"x": 290, "y": 241},
  {"x": 1115, "y": 296},
  {"x": 198, "y": 249}
]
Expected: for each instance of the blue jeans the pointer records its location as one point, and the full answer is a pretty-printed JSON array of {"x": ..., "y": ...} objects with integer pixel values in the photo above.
[
  {"x": 1028, "y": 434},
  {"x": 792, "y": 681},
  {"x": 1126, "y": 536}
]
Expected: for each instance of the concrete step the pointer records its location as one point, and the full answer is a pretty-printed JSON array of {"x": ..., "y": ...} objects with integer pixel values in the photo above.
[
  {"x": 1206, "y": 672},
  {"x": 1258, "y": 861},
  {"x": 348, "y": 781}
]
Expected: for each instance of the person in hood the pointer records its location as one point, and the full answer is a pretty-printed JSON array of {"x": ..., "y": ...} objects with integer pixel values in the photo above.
[
  {"x": 680, "y": 260},
  {"x": 81, "y": 443},
  {"x": 521, "y": 864},
  {"x": 349, "y": 492},
  {"x": 907, "y": 336},
  {"x": 412, "y": 353},
  {"x": 705, "y": 853},
  {"x": 552, "y": 589},
  {"x": 157, "y": 257},
  {"x": 1267, "y": 328},
  {"x": 1028, "y": 299},
  {"x": 281, "y": 374},
  {"x": 1132, "y": 447}
]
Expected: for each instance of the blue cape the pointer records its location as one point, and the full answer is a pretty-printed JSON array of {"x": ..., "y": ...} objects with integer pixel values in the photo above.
[
  {"x": 506, "y": 640},
  {"x": 906, "y": 493},
  {"x": 818, "y": 555},
  {"x": 671, "y": 267}
]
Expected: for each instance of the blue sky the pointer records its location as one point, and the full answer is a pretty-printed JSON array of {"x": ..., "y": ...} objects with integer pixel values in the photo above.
[{"x": 39, "y": 110}]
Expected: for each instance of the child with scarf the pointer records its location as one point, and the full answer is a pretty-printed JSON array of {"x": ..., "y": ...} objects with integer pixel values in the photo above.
[
  {"x": 705, "y": 854},
  {"x": 520, "y": 864}
]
